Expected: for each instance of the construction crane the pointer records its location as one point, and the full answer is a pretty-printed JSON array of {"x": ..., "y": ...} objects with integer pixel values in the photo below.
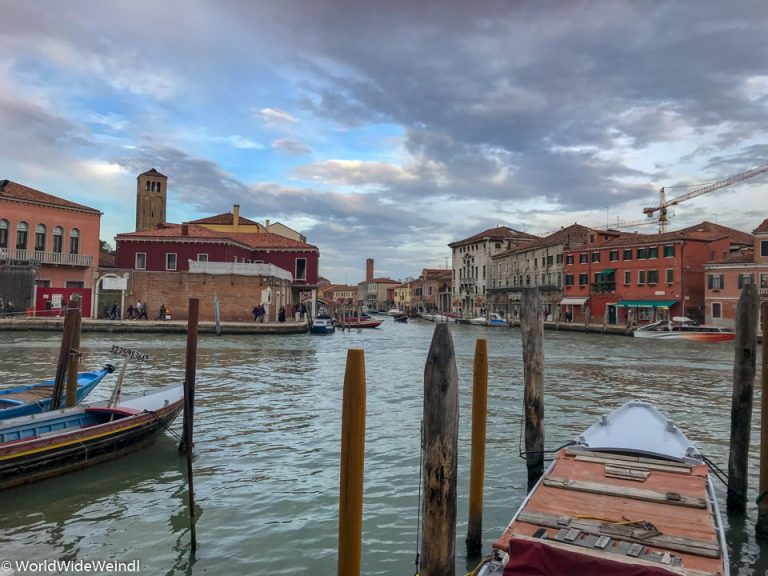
[{"x": 664, "y": 203}]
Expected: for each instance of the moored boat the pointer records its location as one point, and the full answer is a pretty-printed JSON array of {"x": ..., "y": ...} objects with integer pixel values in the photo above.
[
  {"x": 493, "y": 319},
  {"x": 40, "y": 446},
  {"x": 363, "y": 321},
  {"x": 394, "y": 312},
  {"x": 631, "y": 496},
  {"x": 402, "y": 318},
  {"x": 322, "y": 325},
  {"x": 682, "y": 328},
  {"x": 36, "y": 398}
]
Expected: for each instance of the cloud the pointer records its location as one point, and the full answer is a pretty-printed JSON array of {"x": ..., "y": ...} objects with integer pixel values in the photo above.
[
  {"x": 290, "y": 147},
  {"x": 275, "y": 117},
  {"x": 237, "y": 141},
  {"x": 353, "y": 173}
]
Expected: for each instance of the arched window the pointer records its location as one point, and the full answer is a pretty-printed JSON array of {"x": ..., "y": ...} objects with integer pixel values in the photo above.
[
  {"x": 58, "y": 239},
  {"x": 147, "y": 185},
  {"x": 40, "y": 232},
  {"x": 22, "y": 229},
  {"x": 74, "y": 241},
  {"x": 3, "y": 233}
]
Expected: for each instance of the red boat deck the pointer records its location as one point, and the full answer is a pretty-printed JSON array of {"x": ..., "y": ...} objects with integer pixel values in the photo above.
[{"x": 607, "y": 508}]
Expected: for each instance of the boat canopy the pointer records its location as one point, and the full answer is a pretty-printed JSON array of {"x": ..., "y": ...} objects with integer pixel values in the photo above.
[
  {"x": 573, "y": 301},
  {"x": 646, "y": 303}
]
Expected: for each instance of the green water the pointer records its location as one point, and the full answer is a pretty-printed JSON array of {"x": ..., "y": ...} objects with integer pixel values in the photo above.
[{"x": 267, "y": 445}]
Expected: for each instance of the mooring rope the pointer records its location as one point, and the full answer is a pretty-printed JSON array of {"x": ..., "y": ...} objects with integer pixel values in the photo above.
[{"x": 163, "y": 424}]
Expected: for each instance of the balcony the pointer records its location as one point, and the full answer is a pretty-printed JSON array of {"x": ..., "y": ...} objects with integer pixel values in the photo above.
[{"x": 56, "y": 258}]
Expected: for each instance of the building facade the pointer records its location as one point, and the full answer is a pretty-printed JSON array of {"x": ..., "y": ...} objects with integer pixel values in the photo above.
[{"x": 433, "y": 291}]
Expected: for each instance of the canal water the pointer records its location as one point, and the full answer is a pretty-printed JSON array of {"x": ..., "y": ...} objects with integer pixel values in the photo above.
[{"x": 267, "y": 445}]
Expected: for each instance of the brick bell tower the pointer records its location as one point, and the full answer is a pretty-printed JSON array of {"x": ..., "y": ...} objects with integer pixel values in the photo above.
[{"x": 151, "y": 191}]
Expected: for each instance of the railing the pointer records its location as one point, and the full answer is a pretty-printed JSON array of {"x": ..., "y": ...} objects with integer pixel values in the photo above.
[
  {"x": 763, "y": 291},
  {"x": 46, "y": 257}
]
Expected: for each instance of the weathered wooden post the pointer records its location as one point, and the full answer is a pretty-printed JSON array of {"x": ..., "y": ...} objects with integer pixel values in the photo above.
[
  {"x": 532, "y": 330},
  {"x": 352, "y": 465},
  {"x": 477, "y": 468},
  {"x": 64, "y": 353},
  {"x": 74, "y": 352},
  {"x": 587, "y": 316},
  {"x": 744, "y": 366},
  {"x": 441, "y": 441},
  {"x": 189, "y": 402},
  {"x": 605, "y": 319},
  {"x": 761, "y": 529}
]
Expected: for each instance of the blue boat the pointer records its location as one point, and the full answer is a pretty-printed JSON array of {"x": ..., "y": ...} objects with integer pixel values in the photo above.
[
  {"x": 322, "y": 325},
  {"x": 37, "y": 398}
]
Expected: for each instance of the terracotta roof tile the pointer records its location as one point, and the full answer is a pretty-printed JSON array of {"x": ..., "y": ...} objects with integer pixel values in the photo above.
[
  {"x": 746, "y": 256},
  {"x": 226, "y": 218},
  {"x": 15, "y": 191},
  {"x": 498, "y": 233},
  {"x": 153, "y": 172},
  {"x": 762, "y": 229},
  {"x": 705, "y": 231},
  {"x": 251, "y": 240},
  {"x": 381, "y": 281}
]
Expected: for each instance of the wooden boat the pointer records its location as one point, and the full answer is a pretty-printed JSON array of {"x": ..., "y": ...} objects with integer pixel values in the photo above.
[
  {"x": 322, "y": 325},
  {"x": 363, "y": 321},
  {"x": 37, "y": 398},
  {"x": 492, "y": 319},
  {"x": 633, "y": 496},
  {"x": 43, "y": 445},
  {"x": 682, "y": 328},
  {"x": 402, "y": 318}
]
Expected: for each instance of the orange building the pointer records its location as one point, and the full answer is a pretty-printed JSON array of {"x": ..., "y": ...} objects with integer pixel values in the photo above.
[
  {"x": 57, "y": 238},
  {"x": 643, "y": 277}
]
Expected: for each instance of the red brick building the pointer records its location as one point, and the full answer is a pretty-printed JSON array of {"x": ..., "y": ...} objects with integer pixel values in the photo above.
[
  {"x": 56, "y": 238},
  {"x": 643, "y": 277}
]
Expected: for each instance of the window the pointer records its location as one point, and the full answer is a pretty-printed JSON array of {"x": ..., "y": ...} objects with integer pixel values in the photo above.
[
  {"x": 627, "y": 254},
  {"x": 141, "y": 261},
  {"x": 202, "y": 257},
  {"x": 43, "y": 283},
  {"x": 74, "y": 241},
  {"x": 640, "y": 277},
  {"x": 595, "y": 256},
  {"x": 583, "y": 258},
  {"x": 745, "y": 279},
  {"x": 670, "y": 276},
  {"x": 716, "y": 310},
  {"x": 642, "y": 253},
  {"x": 301, "y": 269},
  {"x": 763, "y": 280},
  {"x": 653, "y": 252},
  {"x": 21, "y": 235},
  {"x": 170, "y": 261},
  {"x": 40, "y": 238},
  {"x": 669, "y": 251},
  {"x": 716, "y": 281},
  {"x": 74, "y": 284},
  {"x": 3, "y": 233},
  {"x": 763, "y": 247},
  {"x": 559, "y": 259},
  {"x": 627, "y": 277},
  {"x": 58, "y": 239},
  {"x": 569, "y": 259},
  {"x": 550, "y": 260},
  {"x": 543, "y": 276},
  {"x": 583, "y": 279},
  {"x": 613, "y": 256},
  {"x": 653, "y": 276}
]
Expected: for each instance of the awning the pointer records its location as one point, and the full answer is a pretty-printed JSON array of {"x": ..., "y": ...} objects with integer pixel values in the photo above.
[
  {"x": 646, "y": 303},
  {"x": 608, "y": 271},
  {"x": 573, "y": 301}
]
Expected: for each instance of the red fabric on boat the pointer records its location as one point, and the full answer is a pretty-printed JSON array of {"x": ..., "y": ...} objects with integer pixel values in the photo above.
[{"x": 531, "y": 558}]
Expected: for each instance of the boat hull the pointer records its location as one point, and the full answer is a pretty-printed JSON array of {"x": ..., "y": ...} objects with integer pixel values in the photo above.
[
  {"x": 322, "y": 329},
  {"x": 696, "y": 336}
]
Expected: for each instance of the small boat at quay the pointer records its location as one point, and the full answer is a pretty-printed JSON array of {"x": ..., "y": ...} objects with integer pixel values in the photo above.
[
  {"x": 394, "y": 312},
  {"x": 402, "y": 318},
  {"x": 36, "y": 398},
  {"x": 322, "y": 325},
  {"x": 492, "y": 319},
  {"x": 363, "y": 321},
  {"x": 43, "y": 445},
  {"x": 631, "y": 496},
  {"x": 683, "y": 328}
]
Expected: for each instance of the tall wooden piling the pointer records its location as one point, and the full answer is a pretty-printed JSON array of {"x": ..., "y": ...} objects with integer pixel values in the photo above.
[
  {"x": 477, "y": 467},
  {"x": 352, "y": 465},
  {"x": 74, "y": 352},
  {"x": 744, "y": 367},
  {"x": 441, "y": 440},
  {"x": 64, "y": 353},
  {"x": 761, "y": 528},
  {"x": 532, "y": 329},
  {"x": 187, "y": 442}
]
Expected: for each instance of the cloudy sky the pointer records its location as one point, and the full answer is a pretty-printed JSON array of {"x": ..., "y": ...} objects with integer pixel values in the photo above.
[{"x": 389, "y": 129}]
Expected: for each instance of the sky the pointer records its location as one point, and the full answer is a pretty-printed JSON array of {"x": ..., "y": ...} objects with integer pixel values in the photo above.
[{"x": 387, "y": 130}]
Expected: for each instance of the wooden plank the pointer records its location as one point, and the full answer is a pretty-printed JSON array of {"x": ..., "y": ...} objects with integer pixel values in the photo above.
[
  {"x": 594, "y": 527},
  {"x": 634, "y": 464},
  {"x": 672, "y": 498},
  {"x": 626, "y": 473},
  {"x": 624, "y": 559},
  {"x": 640, "y": 461}
]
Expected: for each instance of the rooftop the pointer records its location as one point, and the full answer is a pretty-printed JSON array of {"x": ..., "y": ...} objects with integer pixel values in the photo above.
[{"x": 15, "y": 191}]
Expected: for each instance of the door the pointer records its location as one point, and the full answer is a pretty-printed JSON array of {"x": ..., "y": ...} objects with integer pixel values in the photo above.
[{"x": 611, "y": 313}]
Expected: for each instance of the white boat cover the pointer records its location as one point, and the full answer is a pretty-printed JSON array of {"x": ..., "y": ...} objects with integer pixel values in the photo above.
[{"x": 638, "y": 427}]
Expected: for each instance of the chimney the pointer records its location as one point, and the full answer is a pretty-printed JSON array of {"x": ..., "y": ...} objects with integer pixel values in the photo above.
[
  {"x": 369, "y": 270},
  {"x": 185, "y": 229},
  {"x": 235, "y": 217}
]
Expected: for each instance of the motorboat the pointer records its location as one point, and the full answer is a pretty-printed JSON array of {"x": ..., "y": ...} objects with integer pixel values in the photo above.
[
  {"x": 631, "y": 495},
  {"x": 322, "y": 325},
  {"x": 394, "y": 312},
  {"x": 683, "y": 328},
  {"x": 493, "y": 319}
]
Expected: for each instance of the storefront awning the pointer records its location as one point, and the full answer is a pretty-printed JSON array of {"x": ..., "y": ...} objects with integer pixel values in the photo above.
[
  {"x": 573, "y": 301},
  {"x": 608, "y": 271},
  {"x": 646, "y": 303}
]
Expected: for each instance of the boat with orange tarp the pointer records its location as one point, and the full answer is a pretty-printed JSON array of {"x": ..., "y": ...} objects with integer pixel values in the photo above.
[{"x": 632, "y": 496}]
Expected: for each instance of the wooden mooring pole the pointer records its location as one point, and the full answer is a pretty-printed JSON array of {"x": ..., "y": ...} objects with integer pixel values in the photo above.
[
  {"x": 761, "y": 528},
  {"x": 744, "y": 367},
  {"x": 64, "y": 353},
  {"x": 187, "y": 443},
  {"x": 532, "y": 330},
  {"x": 441, "y": 442},
  {"x": 477, "y": 468},
  {"x": 352, "y": 465},
  {"x": 74, "y": 352}
]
